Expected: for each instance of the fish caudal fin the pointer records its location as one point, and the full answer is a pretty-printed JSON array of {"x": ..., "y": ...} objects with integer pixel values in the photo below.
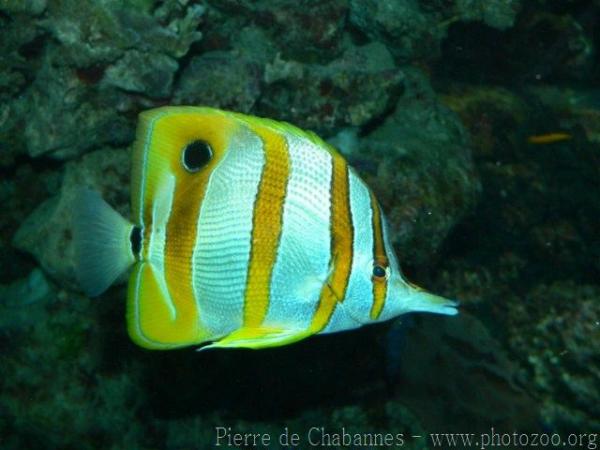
[
  {"x": 102, "y": 242},
  {"x": 423, "y": 301}
]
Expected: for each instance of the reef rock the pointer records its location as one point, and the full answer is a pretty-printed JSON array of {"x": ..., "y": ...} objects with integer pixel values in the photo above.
[
  {"x": 60, "y": 104},
  {"x": 360, "y": 86},
  {"x": 556, "y": 334},
  {"x": 413, "y": 30},
  {"x": 464, "y": 353},
  {"x": 419, "y": 164},
  {"x": 307, "y": 31},
  {"x": 82, "y": 69}
]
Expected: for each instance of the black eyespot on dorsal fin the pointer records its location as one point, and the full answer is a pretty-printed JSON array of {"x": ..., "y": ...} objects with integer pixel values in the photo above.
[{"x": 196, "y": 155}]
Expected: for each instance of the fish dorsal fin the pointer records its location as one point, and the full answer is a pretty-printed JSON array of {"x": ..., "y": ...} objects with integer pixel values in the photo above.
[{"x": 288, "y": 128}]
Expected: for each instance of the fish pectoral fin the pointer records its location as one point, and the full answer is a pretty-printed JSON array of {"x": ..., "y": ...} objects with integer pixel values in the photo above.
[
  {"x": 260, "y": 337},
  {"x": 306, "y": 288}
]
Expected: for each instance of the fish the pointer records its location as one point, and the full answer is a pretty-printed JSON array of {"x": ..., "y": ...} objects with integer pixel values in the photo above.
[
  {"x": 549, "y": 138},
  {"x": 245, "y": 232}
]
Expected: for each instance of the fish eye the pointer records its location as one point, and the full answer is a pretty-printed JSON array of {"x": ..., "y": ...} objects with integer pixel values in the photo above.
[
  {"x": 379, "y": 272},
  {"x": 196, "y": 155}
]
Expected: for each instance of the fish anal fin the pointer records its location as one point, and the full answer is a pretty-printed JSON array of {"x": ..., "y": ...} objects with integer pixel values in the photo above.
[
  {"x": 259, "y": 337},
  {"x": 154, "y": 320}
]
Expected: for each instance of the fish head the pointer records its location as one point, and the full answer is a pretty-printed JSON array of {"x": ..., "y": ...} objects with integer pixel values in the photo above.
[
  {"x": 404, "y": 297},
  {"x": 379, "y": 290}
]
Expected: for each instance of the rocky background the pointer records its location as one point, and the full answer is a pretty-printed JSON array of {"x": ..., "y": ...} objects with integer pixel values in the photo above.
[{"x": 433, "y": 101}]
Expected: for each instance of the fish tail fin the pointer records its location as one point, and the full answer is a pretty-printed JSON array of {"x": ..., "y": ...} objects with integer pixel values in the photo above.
[{"x": 102, "y": 241}]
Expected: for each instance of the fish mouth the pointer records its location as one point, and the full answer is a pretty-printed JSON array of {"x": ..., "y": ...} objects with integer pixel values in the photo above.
[{"x": 423, "y": 301}]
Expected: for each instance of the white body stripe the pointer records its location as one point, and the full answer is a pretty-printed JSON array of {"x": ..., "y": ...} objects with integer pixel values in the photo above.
[
  {"x": 390, "y": 307},
  {"x": 161, "y": 211},
  {"x": 303, "y": 255},
  {"x": 144, "y": 163},
  {"x": 223, "y": 241},
  {"x": 359, "y": 295}
]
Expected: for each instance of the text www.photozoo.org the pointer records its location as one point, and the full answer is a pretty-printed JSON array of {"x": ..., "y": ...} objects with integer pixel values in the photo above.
[{"x": 321, "y": 437}]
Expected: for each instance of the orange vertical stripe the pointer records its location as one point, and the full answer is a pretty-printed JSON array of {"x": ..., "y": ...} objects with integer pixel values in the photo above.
[
  {"x": 379, "y": 258},
  {"x": 182, "y": 227},
  {"x": 267, "y": 223},
  {"x": 342, "y": 234}
]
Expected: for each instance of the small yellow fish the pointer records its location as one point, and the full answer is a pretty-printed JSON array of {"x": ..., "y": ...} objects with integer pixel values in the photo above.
[
  {"x": 246, "y": 232},
  {"x": 549, "y": 138}
]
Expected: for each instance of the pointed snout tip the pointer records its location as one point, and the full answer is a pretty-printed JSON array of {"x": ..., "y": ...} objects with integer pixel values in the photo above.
[
  {"x": 421, "y": 300},
  {"x": 451, "y": 308}
]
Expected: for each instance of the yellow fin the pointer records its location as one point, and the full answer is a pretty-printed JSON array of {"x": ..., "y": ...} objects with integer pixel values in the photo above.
[
  {"x": 260, "y": 337},
  {"x": 153, "y": 321}
]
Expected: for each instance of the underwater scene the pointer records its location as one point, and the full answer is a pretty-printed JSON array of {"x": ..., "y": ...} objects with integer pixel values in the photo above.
[{"x": 298, "y": 224}]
